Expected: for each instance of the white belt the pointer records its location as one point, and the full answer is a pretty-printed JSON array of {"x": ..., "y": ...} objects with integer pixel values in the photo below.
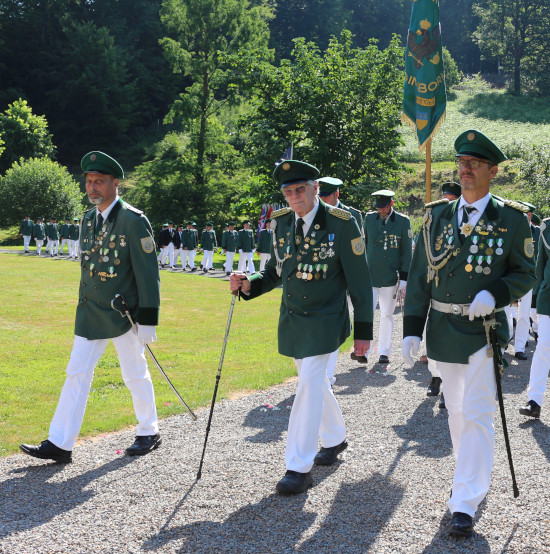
[{"x": 454, "y": 309}]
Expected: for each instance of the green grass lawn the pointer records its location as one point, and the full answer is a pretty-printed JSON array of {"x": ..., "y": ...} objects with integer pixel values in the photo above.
[{"x": 38, "y": 298}]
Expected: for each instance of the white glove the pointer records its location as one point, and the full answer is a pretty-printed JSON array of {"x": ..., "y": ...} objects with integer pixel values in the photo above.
[
  {"x": 484, "y": 303},
  {"x": 402, "y": 284},
  {"x": 409, "y": 348},
  {"x": 146, "y": 334},
  {"x": 240, "y": 250}
]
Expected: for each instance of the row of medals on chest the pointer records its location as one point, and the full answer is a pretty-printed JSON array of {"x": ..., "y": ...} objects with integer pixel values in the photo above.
[
  {"x": 485, "y": 250},
  {"x": 104, "y": 253},
  {"x": 392, "y": 239}
]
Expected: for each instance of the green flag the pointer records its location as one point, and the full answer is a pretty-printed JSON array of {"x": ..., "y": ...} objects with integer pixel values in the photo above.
[{"x": 424, "y": 97}]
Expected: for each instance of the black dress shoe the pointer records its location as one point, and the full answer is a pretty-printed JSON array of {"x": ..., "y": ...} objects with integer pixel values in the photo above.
[
  {"x": 294, "y": 482},
  {"x": 327, "y": 456},
  {"x": 47, "y": 451},
  {"x": 461, "y": 525},
  {"x": 194, "y": 269},
  {"x": 531, "y": 409},
  {"x": 360, "y": 359},
  {"x": 383, "y": 360},
  {"x": 442, "y": 403},
  {"x": 520, "y": 355},
  {"x": 434, "y": 386},
  {"x": 143, "y": 445}
]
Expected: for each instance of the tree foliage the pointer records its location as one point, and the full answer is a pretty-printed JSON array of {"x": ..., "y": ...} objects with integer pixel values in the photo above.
[
  {"x": 340, "y": 108},
  {"x": 535, "y": 177},
  {"x": 38, "y": 186},
  {"x": 25, "y": 135}
]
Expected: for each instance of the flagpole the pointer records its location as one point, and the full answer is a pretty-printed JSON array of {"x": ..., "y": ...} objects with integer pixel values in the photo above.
[{"x": 428, "y": 171}]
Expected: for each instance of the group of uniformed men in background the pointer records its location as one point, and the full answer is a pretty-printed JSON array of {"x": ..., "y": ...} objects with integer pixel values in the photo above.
[
  {"x": 474, "y": 256},
  {"x": 69, "y": 234}
]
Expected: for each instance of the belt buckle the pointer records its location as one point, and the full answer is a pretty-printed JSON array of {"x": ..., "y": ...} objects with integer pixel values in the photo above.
[{"x": 456, "y": 309}]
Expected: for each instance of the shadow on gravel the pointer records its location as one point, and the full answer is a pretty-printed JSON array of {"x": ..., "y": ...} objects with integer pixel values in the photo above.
[
  {"x": 418, "y": 373},
  {"x": 541, "y": 432},
  {"x": 358, "y": 515},
  {"x": 271, "y": 421},
  {"x": 29, "y": 500},
  {"x": 355, "y": 380}
]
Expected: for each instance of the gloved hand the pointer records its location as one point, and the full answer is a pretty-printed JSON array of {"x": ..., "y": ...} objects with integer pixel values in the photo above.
[
  {"x": 146, "y": 334},
  {"x": 409, "y": 348},
  {"x": 402, "y": 284},
  {"x": 483, "y": 304},
  {"x": 240, "y": 250}
]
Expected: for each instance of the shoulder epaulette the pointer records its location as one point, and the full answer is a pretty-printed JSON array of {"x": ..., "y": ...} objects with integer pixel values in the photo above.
[
  {"x": 437, "y": 202},
  {"x": 404, "y": 216},
  {"x": 342, "y": 214},
  {"x": 132, "y": 209},
  {"x": 372, "y": 212},
  {"x": 517, "y": 205},
  {"x": 278, "y": 213}
]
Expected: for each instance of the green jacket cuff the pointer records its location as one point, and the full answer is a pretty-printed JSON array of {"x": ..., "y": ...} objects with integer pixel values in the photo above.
[
  {"x": 413, "y": 326},
  {"x": 362, "y": 330},
  {"x": 403, "y": 275},
  {"x": 501, "y": 293},
  {"x": 148, "y": 316}
]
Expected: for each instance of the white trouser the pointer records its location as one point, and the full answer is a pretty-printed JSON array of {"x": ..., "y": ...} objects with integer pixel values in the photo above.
[
  {"x": 26, "y": 242},
  {"x": 245, "y": 257},
  {"x": 228, "y": 265},
  {"x": 168, "y": 254},
  {"x": 511, "y": 313},
  {"x": 67, "y": 420},
  {"x": 540, "y": 363},
  {"x": 52, "y": 246},
  {"x": 39, "y": 244},
  {"x": 63, "y": 242},
  {"x": 188, "y": 255},
  {"x": 73, "y": 248},
  {"x": 207, "y": 259},
  {"x": 315, "y": 413},
  {"x": 432, "y": 367},
  {"x": 470, "y": 391},
  {"x": 522, "y": 322},
  {"x": 384, "y": 295},
  {"x": 161, "y": 253},
  {"x": 535, "y": 319},
  {"x": 177, "y": 253},
  {"x": 264, "y": 258}
]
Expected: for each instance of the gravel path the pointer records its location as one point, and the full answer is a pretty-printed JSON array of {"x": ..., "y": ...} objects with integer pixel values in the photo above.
[{"x": 387, "y": 494}]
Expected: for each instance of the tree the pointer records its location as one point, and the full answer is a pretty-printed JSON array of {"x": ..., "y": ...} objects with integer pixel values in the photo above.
[
  {"x": 534, "y": 176},
  {"x": 507, "y": 30},
  {"x": 341, "y": 109},
  {"x": 200, "y": 30},
  {"x": 25, "y": 135},
  {"x": 40, "y": 187}
]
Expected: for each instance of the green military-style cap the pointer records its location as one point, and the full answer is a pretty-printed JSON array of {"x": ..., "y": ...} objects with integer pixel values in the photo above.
[
  {"x": 210, "y": 224},
  {"x": 529, "y": 205},
  {"x": 76, "y": 219},
  {"x": 99, "y": 162},
  {"x": 535, "y": 219},
  {"x": 450, "y": 187},
  {"x": 328, "y": 185},
  {"x": 475, "y": 143},
  {"x": 231, "y": 223},
  {"x": 294, "y": 171},
  {"x": 382, "y": 198}
]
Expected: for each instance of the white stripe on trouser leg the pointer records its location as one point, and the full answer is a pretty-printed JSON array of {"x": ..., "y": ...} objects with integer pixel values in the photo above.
[
  {"x": 137, "y": 378},
  {"x": 540, "y": 363},
  {"x": 67, "y": 420},
  {"x": 470, "y": 391},
  {"x": 522, "y": 322},
  {"x": 315, "y": 413}
]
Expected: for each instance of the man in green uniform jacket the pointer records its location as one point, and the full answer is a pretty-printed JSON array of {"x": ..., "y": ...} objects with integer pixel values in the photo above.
[
  {"x": 541, "y": 300},
  {"x": 245, "y": 246},
  {"x": 208, "y": 245},
  {"x": 473, "y": 258},
  {"x": 118, "y": 257},
  {"x": 52, "y": 233},
  {"x": 64, "y": 235},
  {"x": 39, "y": 232},
  {"x": 329, "y": 193},
  {"x": 264, "y": 244},
  {"x": 388, "y": 238},
  {"x": 189, "y": 244},
  {"x": 229, "y": 245},
  {"x": 25, "y": 230},
  {"x": 74, "y": 236},
  {"x": 319, "y": 255}
]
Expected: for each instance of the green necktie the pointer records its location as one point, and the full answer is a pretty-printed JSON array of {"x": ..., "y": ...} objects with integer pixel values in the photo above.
[{"x": 299, "y": 236}]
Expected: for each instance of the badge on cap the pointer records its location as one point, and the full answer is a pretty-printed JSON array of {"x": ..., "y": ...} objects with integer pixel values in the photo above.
[
  {"x": 471, "y": 136},
  {"x": 286, "y": 166},
  {"x": 93, "y": 157}
]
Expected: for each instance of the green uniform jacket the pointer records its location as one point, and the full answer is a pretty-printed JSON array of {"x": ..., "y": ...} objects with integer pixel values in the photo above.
[
  {"x": 52, "y": 231},
  {"x": 507, "y": 270},
  {"x": 26, "y": 227},
  {"x": 264, "y": 242},
  {"x": 245, "y": 240},
  {"x": 314, "y": 317},
  {"x": 535, "y": 232},
  {"x": 208, "y": 240},
  {"x": 541, "y": 293},
  {"x": 229, "y": 240},
  {"x": 355, "y": 213},
  {"x": 126, "y": 238},
  {"x": 189, "y": 239},
  {"x": 389, "y": 248},
  {"x": 64, "y": 231},
  {"x": 74, "y": 231},
  {"x": 39, "y": 231}
]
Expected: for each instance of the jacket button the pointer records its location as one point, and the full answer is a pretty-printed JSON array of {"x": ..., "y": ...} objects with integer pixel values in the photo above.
[
  {"x": 289, "y": 311},
  {"x": 288, "y": 295},
  {"x": 288, "y": 278},
  {"x": 448, "y": 294},
  {"x": 306, "y": 313},
  {"x": 450, "y": 274},
  {"x": 305, "y": 296}
]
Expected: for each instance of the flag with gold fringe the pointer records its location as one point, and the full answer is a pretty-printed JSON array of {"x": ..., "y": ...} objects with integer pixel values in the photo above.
[{"x": 424, "y": 96}]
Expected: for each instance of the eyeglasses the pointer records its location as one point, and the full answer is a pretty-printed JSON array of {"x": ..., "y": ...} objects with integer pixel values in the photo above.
[
  {"x": 472, "y": 164},
  {"x": 299, "y": 190}
]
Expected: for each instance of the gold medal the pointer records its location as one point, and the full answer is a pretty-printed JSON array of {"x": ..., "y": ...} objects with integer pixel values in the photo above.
[
  {"x": 112, "y": 245},
  {"x": 489, "y": 251},
  {"x": 469, "y": 267},
  {"x": 299, "y": 274},
  {"x": 309, "y": 276},
  {"x": 91, "y": 273},
  {"x": 116, "y": 261},
  {"x": 317, "y": 276}
]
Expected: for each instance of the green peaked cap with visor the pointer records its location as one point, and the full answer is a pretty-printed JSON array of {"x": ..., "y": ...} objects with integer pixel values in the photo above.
[
  {"x": 474, "y": 143},
  {"x": 294, "y": 171},
  {"x": 99, "y": 162}
]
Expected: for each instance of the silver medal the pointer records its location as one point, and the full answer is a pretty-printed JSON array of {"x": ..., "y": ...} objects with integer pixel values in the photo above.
[{"x": 474, "y": 249}]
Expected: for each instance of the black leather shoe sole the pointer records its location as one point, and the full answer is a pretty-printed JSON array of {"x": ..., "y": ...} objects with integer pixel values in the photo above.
[
  {"x": 294, "y": 483},
  {"x": 47, "y": 453},
  {"x": 142, "y": 451}
]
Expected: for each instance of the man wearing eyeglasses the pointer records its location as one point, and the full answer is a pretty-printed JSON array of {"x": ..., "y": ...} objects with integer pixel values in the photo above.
[
  {"x": 318, "y": 255},
  {"x": 474, "y": 256}
]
